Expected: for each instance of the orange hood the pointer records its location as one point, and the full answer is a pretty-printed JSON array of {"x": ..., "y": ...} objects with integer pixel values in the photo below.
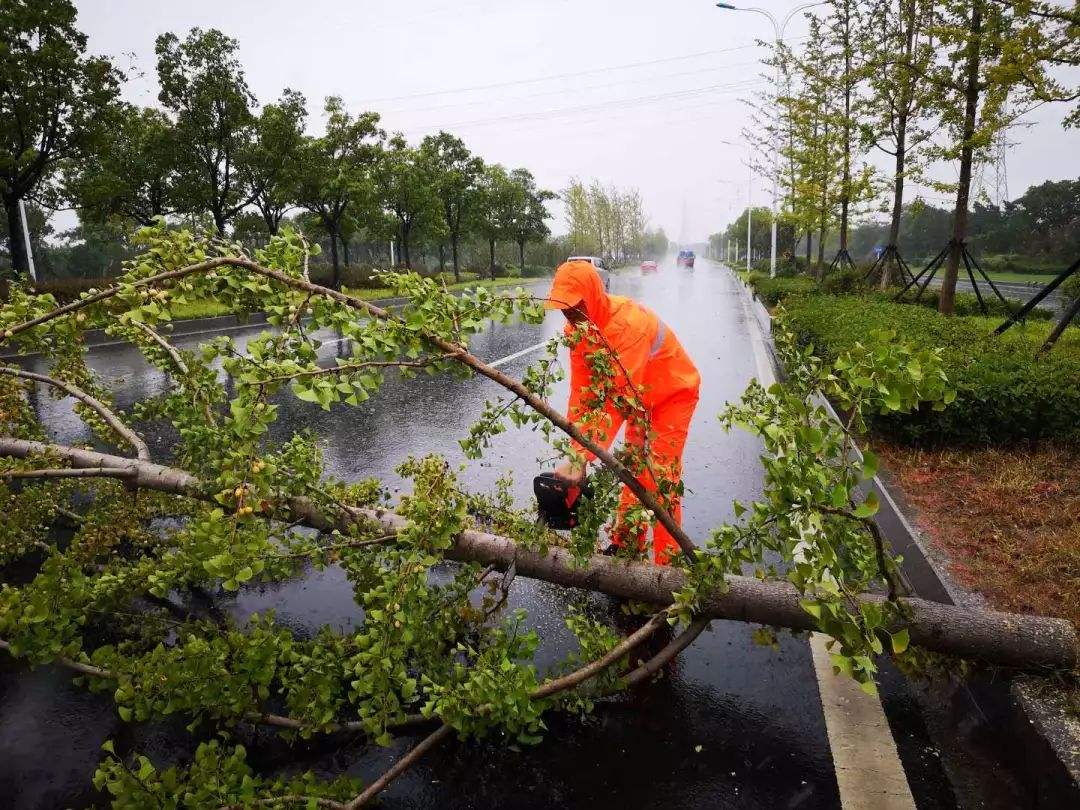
[{"x": 578, "y": 284}]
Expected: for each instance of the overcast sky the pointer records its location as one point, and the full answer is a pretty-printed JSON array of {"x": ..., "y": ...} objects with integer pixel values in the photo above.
[{"x": 631, "y": 92}]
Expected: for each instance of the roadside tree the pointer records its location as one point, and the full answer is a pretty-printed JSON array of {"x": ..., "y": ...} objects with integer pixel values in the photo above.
[
  {"x": 336, "y": 173},
  {"x": 53, "y": 98},
  {"x": 203, "y": 86},
  {"x": 456, "y": 176},
  {"x": 131, "y": 172}
]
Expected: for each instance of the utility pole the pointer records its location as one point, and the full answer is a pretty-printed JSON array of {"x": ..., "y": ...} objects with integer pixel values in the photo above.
[
  {"x": 749, "y": 212},
  {"x": 26, "y": 241},
  {"x": 778, "y": 31}
]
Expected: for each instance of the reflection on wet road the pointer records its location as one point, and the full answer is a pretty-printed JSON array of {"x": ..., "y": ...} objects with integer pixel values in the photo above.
[{"x": 754, "y": 712}]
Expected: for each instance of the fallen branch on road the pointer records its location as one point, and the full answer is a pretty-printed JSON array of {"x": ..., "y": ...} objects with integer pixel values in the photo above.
[{"x": 1004, "y": 639}]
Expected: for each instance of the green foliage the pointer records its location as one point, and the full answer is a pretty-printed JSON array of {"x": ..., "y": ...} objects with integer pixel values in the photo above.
[
  {"x": 812, "y": 515},
  {"x": 844, "y": 282},
  {"x": 217, "y": 777},
  {"x": 430, "y": 637},
  {"x": 772, "y": 291},
  {"x": 1004, "y": 392}
]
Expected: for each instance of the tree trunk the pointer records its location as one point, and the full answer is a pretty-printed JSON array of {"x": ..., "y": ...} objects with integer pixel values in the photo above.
[
  {"x": 845, "y": 186},
  {"x": 947, "y": 301},
  {"x": 898, "y": 201},
  {"x": 454, "y": 253},
  {"x": 521, "y": 253},
  {"x": 20, "y": 262},
  {"x": 336, "y": 279},
  {"x": 405, "y": 256},
  {"x": 821, "y": 253},
  {"x": 491, "y": 267},
  {"x": 345, "y": 251},
  {"x": 809, "y": 248},
  {"x": 219, "y": 221},
  {"x": 442, "y": 257},
  {"x": 1004, "y": 639}
]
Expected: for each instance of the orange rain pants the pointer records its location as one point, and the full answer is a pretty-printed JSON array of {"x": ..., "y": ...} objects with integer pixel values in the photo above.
[{"x": 652, "y": 366}]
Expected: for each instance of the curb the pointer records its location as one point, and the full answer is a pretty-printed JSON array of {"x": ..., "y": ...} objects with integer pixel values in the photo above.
[{"x": 1046, "y": 748}]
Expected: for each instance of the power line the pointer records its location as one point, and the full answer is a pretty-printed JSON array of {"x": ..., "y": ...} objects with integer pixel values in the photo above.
[
  {"x": 563, "y": 90},
  {"x": 616, "y": 103},
  {"x": 551, "y": 77}
]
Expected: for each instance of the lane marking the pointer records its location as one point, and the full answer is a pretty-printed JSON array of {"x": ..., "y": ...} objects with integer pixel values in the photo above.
[
  {"x": 869, "y": 774},
  {"x": 502, "y": 361}
]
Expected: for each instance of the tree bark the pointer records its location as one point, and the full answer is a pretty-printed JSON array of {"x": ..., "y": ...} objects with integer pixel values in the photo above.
[
  {"x": 947, "y": 301},
  {"x": 405, "y": 245},
  {"x": 904, "y": 110},
  {"x": 521, "y": 253},
  {"x": 336, "y": 279},
  {"x": 454, "y": 252},
  {"x": 345, "y": 250},
  {"x": 20, "y": 263},
  {"x": 1004, "y": 639},
  {"x": 845, "y": 201},
  {"x": 491, "y": 267}
]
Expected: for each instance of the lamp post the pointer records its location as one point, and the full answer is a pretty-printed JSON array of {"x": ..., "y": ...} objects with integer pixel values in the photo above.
[{"x": 778, "y": 32}]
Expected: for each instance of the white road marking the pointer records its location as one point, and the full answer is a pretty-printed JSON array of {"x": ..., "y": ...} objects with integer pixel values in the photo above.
[
  {"x": 869, "y": 774},
  {"x": 502, "y": 361}
]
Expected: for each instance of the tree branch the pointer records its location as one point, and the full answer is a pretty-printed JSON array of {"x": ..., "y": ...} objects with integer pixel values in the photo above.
[
  {"x": 454, "y": 351},
  {"x": 1004, "y": 639},
  {"x": 67, "y": 472},
  {"x": 94, "y": 404}
]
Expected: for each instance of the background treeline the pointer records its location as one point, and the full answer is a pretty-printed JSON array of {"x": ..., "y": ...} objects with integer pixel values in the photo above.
[
  {"x": 1038, "y": 232},
  {"x": 210, "y": 156},
  {"x": 889, "y": 93}
]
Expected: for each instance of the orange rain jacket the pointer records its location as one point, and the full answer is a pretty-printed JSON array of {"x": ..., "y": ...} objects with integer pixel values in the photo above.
[{"x": 660, "y": 370}]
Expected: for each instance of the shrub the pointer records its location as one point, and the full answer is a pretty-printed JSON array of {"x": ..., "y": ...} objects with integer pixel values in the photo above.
[
  {"x": 512, "y": 271},
  {"x": 772, "y": 291},
  {"x": 1005, "y": 391},
  {"x": 1071, "y": 288},
  {"x": 844, "y": 282},
  {"x": 537, "y": 271},
  {"x": 968, "y": 304}
]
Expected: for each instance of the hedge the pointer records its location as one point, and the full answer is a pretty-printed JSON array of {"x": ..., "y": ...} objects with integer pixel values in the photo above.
[
  {"x": 1005, "y": 391},
  {"x": 773, "y": 291}
]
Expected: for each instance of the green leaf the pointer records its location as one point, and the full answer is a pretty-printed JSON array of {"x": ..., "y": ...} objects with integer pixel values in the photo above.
[
  {"x": 900, "y": 641},
  {"x": 869, "y": 507},
  {"x": 125, "y": 713},
  {"x": 870, "y": 464}
]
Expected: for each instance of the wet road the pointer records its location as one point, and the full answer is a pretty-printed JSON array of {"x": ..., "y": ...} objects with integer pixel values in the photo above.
[{"x": 754, "y": 712}]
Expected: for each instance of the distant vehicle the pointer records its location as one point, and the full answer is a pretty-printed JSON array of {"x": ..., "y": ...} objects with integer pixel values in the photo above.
[
  {"x": 648, "y": 267},
  {"x": 598, "y": 263},
  {"x": 686, "y": 259}
]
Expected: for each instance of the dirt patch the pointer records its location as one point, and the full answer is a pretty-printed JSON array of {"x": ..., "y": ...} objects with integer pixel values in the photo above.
[{"x": 1008, "y": 519}]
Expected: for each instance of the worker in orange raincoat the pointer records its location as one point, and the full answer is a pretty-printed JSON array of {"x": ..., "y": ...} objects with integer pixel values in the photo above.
[{"x": 662, "y": 378}]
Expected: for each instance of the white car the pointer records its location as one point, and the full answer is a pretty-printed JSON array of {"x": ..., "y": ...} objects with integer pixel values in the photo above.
[{"x": 598, "y": 263}]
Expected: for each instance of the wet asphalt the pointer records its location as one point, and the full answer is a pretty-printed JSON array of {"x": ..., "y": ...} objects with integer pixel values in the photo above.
[{"x": 730, "y": 725}]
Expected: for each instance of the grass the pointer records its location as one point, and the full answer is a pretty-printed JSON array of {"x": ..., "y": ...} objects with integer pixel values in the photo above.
[{"x": 1006, "y": 518}]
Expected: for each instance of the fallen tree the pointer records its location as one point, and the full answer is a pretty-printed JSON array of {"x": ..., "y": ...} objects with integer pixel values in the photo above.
[
  {"x": 110, "y": 596},
  {"x": 1003, "y": 639}
]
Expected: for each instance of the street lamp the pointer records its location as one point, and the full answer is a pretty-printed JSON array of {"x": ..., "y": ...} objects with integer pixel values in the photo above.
[
  {"x": 778, "y": 31},
  {"x": 750, "y": 209}
]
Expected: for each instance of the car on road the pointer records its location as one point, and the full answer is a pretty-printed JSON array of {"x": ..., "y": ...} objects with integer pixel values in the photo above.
[
  {"x": 648, "y": 267},
  {"x": 598, "y": 263},
  {"x": 685, "y": 259}
]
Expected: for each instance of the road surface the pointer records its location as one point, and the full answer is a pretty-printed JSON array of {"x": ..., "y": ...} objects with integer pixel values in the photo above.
[{"x": 733, "y": 725}]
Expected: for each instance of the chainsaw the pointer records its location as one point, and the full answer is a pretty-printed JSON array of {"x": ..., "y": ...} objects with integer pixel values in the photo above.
[{"x": 557, "y": 501}]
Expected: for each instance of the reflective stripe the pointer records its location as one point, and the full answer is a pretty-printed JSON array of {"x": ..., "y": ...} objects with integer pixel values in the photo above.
[{"x": 658, "y": 341}]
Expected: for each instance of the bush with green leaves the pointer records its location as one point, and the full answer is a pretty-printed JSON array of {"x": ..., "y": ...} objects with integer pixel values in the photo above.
[{"x": 1006, "y": 391}]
